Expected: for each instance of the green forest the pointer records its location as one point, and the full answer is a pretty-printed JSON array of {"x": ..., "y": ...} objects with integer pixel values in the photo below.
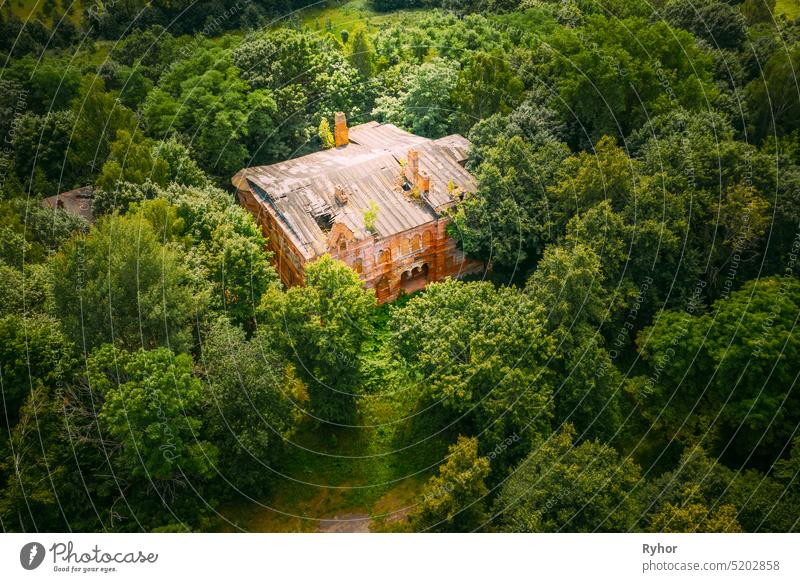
[{"x": 627, "y": 363}]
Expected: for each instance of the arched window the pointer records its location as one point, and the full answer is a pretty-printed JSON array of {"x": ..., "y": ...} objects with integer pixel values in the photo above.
[
  {"x": 385, "y": 256},
  {"x": 427, "y": 238},
  {"x": 342, "y": 246},
  {"x": 416, "y": 243},
  {"x": 405, "y": 247},
  {"x": 358, "y": 266}
]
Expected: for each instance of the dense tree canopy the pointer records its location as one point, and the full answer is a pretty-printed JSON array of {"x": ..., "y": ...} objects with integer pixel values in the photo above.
[
  {"x": 252, "y": 401},
  {"x": 747, "y": 341},
  {"x": 611, "y": 75},
  {"x": 321, "y": 328},
  {"x": 453, "y": 500},
  {"x": 564, "y": 487},
  {"x": 483, "y": 352},
  {"x": 119, "y": 284}
]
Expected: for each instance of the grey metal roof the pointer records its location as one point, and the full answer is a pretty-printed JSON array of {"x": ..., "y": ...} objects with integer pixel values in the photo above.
[{"x": 301, "y": 191}]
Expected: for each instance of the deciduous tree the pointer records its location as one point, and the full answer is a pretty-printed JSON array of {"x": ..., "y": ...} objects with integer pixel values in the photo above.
[
  {"x": 119, "y": 284},
  {"x": 561, "y": 486},
  {"x": 321, "y": 327},
  {"x": 454, "y": 500}
]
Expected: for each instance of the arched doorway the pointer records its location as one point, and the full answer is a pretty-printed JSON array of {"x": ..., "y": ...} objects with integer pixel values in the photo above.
[{"x": 415, "y": 279}]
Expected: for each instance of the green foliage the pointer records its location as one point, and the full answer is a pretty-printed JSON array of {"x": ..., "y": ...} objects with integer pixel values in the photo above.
[
  {"x": 325, "y": 134},
  {"x": 148, "y": 50},
  {"x": 118, "y": 284},
  {"x": 138, "y": 420},
  {"x": 634, "y": 164},
  {"x": 483, "y": 354},
  {"x": 611, "y": 75},
  {"x": 131, "y": 160},
  {"x": 42, "y": 488},
  {"x": 321, "y": 328},
  {"x": 486, "y": 85},
  {"x": 98, "y": 117},
  {"x": 50, "y": 83},
  {"x": 181, "y": 168},
  {"x": 41, "y": 143},
  {"x": 122, "y": 196},
  {"x": 32, "y": 35},
  {"x": 237, "y": 265},
  {"x": 33, "y": 353},
  {"x": 222, "y": 241},
  {"x": 677, "y": 498},
  {"x": 723, "y": 190},
  {"x": 205, "y": 18},
  {"x": 370, "y": 216},
  {"x": 23, "y": 292},
  {"x": 31, "y": 231},
  {"x": 746, "y": 338},
  {"x": 564, "y": 487},
  {"x": 229, "y": 246},
  {"x": 695, "y": 517},
  {"x": 453, "y": 500},
  {"x": 569, "y": 283},
  {"x": 307, "y": 76},
  {"x": 204, "y": 97},
  {"x": 362, "y": 53},
  {"x": 508, "y": 219},
  {"x": 775, "y": 102},
  {"x": 619, "y": 8},
  {"x": 719, "y": 23},
  {"x": 588, "y": 178},
  {"x": 425, "y": 105},
  {"x": 151, "y": 409},
  {"x": 251, "y": 403}
]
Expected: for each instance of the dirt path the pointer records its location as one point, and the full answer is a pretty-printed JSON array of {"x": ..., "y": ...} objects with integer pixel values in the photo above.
[{"x": 346, "y": 523}]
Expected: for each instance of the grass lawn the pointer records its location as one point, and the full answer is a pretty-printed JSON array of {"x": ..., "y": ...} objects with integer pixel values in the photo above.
[
  {"x": 376, "y": 470},
  {"x": 25, "y": 9},
  {"x": 791, "y": 8},
  {"x": 350, "y": 14}
]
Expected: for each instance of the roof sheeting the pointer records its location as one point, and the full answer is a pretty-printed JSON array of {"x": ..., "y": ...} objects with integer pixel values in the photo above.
[
  {"x": 78, "y": 201},
  {"x": 301, "y": 191}
]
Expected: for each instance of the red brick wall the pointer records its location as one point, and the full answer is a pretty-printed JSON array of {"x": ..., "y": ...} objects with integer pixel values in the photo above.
[
  {"x": 425, "y": 245},
  {"x": 288, "y": 261},
  {"x": 428, "y": 245}
]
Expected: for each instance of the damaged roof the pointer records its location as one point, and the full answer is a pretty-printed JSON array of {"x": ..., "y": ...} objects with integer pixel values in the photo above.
[
  {"x": 301, "y": 191},
  {"x": 78, "y": 201}
]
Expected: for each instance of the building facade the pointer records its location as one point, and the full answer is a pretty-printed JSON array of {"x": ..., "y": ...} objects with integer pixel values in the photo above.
[{"x": 377, "y": 201}]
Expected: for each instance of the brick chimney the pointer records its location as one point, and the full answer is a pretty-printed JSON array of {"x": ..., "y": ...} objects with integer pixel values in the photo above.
[
  {"x": 412, "y": 166},
  {"x": 341, "y": 194},
  {"x": 417, "y": 178},
  {"x": 423, "y": 181},
  {"x": 341, "y": 135}
]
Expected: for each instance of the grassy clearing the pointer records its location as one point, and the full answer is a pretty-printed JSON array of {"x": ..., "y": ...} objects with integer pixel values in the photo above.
[
  {"x": 42, "y": 9},
  {"x": 377, "y": 469},
  {"x": 351, "y": 14},
  {"x": 791, "y": 8}
]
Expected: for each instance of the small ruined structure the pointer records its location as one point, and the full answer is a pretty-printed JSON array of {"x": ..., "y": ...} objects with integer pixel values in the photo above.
[
  {"x": 78, "y": 201},
  {"x": 376, "y": 201}
]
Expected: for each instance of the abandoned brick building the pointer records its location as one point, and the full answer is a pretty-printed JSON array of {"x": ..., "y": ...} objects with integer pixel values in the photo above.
[{"x": 375, "y": 201}]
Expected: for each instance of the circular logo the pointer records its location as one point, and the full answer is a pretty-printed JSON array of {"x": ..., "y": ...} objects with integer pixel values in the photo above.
[{"x": 31, "y": 555}]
